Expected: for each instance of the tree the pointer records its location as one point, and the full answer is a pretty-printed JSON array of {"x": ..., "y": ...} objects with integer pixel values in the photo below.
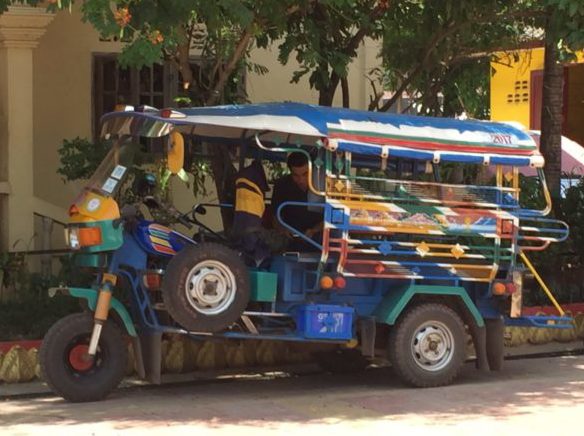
[
  {"x": 221, "y": 33},
  {"x": 325, "y": 38},
  {"x": 433, "y": 49},
  {"x": 564, "y": 33},
  {"x": 437, "y": 48}
]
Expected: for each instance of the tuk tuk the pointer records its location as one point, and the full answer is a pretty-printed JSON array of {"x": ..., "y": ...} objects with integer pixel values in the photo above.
[{"x": 407, "y": 264}]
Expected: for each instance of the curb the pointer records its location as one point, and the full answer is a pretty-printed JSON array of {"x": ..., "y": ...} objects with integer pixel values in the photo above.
[
  {"x": 37, "y": 388},
  {"x": 527, "y": 350},
  {"x": 27, "y": 345}
]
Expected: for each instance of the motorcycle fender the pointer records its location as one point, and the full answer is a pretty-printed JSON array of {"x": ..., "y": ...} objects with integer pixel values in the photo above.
[{"x": 90, "y": 295}]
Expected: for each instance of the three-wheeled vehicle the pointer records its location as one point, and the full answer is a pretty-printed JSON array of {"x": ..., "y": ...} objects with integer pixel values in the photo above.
[{"x": 407, "y": 263}]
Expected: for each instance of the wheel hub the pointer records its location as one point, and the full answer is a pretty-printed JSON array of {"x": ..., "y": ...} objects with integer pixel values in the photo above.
[
  {"x": 210, "y": 287},
  {"x": 432, "y": 346},
  {"x": 79, "y": 358}
]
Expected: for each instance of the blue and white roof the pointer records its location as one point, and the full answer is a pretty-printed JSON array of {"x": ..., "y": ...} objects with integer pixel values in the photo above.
[{"x": 360, "y": 132}]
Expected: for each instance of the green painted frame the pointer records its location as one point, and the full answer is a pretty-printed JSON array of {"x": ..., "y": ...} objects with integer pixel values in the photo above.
[
  {"x": 90, "y": 295},
  {"x": 396, "y": 301}
]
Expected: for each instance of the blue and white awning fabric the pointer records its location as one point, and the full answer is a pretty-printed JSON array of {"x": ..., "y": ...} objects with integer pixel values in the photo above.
[{"x": 359, "y": 132}]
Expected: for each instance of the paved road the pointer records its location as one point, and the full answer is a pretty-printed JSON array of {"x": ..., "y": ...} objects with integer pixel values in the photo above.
[{"x": 532, "y": 396}]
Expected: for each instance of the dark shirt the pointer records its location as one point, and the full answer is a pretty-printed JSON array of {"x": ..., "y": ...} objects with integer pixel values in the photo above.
[{"x": 298, "y": 217}]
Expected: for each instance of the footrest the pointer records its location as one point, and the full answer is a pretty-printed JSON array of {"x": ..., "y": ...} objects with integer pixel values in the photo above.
[{"x": 542, "y": 321}]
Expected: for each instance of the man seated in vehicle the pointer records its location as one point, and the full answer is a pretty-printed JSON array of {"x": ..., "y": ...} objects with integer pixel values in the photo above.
[
  {"x": 247, "y": 231},
  {"x": 294, "y": 187}
]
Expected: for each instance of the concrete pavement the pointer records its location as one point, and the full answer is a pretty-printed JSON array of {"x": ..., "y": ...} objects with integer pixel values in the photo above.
[{"x": 530, "y": 396}]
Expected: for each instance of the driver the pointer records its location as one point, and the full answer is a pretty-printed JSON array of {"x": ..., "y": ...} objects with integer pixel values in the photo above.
[
  {"x": 247, "y": 231},
  {"x": 294, "y": 187}
]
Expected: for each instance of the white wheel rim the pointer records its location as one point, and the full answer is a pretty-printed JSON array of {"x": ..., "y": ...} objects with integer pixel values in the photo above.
[
  {"x": 210, "y": 287},
  {"x": 432, "y": 346}
]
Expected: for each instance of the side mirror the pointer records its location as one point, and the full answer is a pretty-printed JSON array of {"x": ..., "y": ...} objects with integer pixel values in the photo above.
[
  {"x": 200, "y": 209},
  {"x": 176, "y": 152}
]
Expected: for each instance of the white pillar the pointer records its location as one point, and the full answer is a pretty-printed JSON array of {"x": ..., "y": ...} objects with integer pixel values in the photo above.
[{"x": 20, "y": 30}]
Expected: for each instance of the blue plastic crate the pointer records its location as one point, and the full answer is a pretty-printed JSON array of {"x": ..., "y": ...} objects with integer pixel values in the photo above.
[{"x": 325, "y": 321}]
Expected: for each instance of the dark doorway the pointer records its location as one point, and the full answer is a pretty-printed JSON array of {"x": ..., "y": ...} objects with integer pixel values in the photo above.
[
  {"x": 573, "y": 126},
  {"x": 573, "y": 109}
]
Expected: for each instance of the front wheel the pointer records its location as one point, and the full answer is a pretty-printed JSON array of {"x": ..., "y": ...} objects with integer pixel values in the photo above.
[
  {"x": 66, "y": 366},
  {"x": 427, "y": 346}
]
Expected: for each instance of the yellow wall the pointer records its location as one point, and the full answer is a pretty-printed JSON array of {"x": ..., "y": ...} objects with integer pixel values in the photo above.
[
  {"x": 512, "y": 70},
  {"x": 508, "y": 73},
  {"x": 62, "y": 98}
]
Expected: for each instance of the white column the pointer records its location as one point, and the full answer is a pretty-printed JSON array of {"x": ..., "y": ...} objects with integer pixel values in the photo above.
[{"x": 20, "y": 30}]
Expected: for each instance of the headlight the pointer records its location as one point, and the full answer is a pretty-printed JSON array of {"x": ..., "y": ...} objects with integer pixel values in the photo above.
[{"x": 78, "y": 237}]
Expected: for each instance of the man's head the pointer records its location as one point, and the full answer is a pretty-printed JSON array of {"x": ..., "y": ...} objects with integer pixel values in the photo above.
[{"x": 298, "y": 165}]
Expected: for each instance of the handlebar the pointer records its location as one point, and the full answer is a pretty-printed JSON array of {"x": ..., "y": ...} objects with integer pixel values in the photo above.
[
  {"x": 181, "y": 218},
  {"x": 200, "y": 209}
]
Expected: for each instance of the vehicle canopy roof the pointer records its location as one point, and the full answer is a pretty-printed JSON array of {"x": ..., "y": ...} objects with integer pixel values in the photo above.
[{"x": 360, "y": 132}]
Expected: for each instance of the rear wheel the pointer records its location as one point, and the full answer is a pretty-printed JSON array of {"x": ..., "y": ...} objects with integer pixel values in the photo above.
[
  {"x": 68, "y": 369},
  {"x": 427, "y": 345},
  {"x": 206, "y": 287}
]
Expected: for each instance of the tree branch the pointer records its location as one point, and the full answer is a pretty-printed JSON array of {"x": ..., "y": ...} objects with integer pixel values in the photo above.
[
  {"x": 354, "y": 42},
  {"x": 345, "y": 90},
  {"x": 182, "y": 58},
  {"x": 440, "y": 36},
  {"x": 226, "y": 71},
  {"x": 374, "y": 101}
]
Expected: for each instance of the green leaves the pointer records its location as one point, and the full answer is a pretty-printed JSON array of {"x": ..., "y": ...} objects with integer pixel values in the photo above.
[
  {"x": 141, "y": 52},
  {"x": 324, "y": 37},
  {"x": 567, "y": 24},
  {"x": 80, "y": 158},
  {"x": 438, "y": 52}
]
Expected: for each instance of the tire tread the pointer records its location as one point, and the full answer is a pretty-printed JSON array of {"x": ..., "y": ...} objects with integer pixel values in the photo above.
[
  {"x": 51, "y": 365},
  {"x": 173, "y": 282},
  {"x": 399, "y": 360}
]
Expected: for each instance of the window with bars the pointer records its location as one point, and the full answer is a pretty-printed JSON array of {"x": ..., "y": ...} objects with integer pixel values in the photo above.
[{"x": 154, "y": 86}]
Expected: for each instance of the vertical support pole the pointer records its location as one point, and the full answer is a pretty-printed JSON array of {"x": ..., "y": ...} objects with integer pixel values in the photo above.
[
  {"x": 46, "y": 259},
  {"x": 516, "y": 191}
]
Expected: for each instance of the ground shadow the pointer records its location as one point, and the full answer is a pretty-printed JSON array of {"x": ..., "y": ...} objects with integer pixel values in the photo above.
[{"x": 320, "y": 398}]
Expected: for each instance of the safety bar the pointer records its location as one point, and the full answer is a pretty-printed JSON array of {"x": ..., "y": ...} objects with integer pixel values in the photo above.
[
  {"x": 540, "y": 232},
  {"x": 541, "y": 282},
  {"x": 294, "y": 230}
]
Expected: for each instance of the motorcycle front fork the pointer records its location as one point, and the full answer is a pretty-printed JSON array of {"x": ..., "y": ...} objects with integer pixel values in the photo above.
[{"x": 104, "y": 297}]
